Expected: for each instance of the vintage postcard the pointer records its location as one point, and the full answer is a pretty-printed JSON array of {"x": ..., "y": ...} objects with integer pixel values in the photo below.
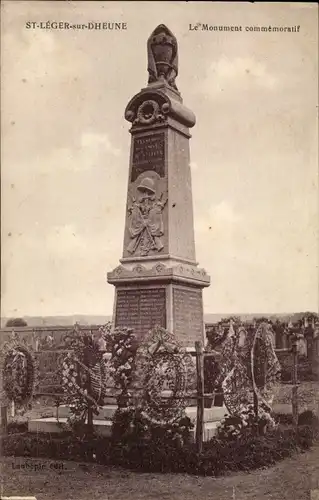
[{"x": 159, "y": 250}]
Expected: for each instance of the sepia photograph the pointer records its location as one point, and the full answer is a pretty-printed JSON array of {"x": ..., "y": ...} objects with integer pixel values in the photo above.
[{"x": 159, "y": 333}]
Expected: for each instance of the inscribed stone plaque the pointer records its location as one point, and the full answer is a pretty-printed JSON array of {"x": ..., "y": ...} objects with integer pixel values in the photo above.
[
  {"x": 188, "y": 314},
  {"x": 141, "y": 309},
  {"x": 148, "y": 154}
]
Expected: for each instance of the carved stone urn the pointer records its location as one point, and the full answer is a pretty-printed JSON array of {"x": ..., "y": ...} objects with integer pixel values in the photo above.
[{"x": 163, "y": 50}]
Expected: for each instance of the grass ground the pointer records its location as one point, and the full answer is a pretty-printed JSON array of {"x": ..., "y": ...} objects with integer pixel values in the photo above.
[{"x": 291, "y": 479}]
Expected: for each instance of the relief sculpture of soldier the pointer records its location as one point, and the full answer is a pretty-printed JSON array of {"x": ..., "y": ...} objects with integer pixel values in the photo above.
[{"x": 146, "y": 222}]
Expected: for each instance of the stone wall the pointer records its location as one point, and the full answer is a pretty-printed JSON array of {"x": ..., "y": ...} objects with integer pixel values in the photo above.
[
  {"x": 42, "y": 337},
  {"x": 49, "y": 351}
]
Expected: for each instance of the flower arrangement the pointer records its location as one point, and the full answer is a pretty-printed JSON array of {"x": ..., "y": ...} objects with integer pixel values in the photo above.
[
  {"x": 165, "y": 370},
  {"x": 162, "y": 365},
  {"x": 133, "y": 428},
  {"x": 243, "y": 424},
  {"x": 83, "y": 376},
  {"x": 19, "y": 373},
  {"x": 121, "y": 343},
  {"x": 123, "y": 352},
  {"x": 88, "y": 374},
  {"x": 251, "y": 372},
  {"x": 265, "y": 367}
]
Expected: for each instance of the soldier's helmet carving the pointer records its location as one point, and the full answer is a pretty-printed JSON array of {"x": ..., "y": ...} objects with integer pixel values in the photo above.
[{"x": 147, "y": 184}]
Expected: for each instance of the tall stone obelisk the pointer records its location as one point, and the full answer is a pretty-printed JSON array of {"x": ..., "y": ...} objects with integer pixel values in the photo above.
[{"x": 158, "y": 281}]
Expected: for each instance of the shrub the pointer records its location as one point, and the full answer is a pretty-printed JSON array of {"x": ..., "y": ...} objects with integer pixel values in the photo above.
[
  {"x": 17, "y": 427},
  {"x": 305, "y": 436},
  {"x": 18, "y": 322},
  {"x": 218, "y": 456},
  {"x": 132, "y": 428},
  {"x": 244, "y": 424},
  {"x": 283, "y": 418},
  {"x": 308, "y": 418},
  {"x": 63, "y": 447}
]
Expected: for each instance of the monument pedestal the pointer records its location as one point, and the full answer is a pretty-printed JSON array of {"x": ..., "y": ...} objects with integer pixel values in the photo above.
[{"x": 170, "y": 297}]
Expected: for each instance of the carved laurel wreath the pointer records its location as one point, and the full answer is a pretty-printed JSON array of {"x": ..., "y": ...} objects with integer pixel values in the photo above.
[
  {"x": 149, "y": 118},
  {"x": 162, "y": 364},
  {"x": 19, "y": 373}
]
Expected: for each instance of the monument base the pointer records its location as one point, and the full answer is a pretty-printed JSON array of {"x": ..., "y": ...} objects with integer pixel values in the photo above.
[
  {"x": 103, "y": 422},
  {"x": 157, "y": 294}
]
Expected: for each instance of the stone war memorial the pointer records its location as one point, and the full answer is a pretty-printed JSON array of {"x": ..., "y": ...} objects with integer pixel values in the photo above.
[
  {"x": 158, "y": 281},
  {"x": 150, "y": 367},
  {"x": 99, "y": 405},
  {"x": 158, "y": 284}
]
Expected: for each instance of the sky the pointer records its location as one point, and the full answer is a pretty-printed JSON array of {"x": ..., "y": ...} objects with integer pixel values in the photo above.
[{"x": 65, "y": 151}]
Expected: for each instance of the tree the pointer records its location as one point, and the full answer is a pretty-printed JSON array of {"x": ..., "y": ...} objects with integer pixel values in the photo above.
[
  {"x": 262, "y": 319},
  {"x": 16, "y": 322}
]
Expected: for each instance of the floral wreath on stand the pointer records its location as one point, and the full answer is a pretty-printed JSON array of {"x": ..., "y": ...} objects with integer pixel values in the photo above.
[
  {"x": 121, "y": 345},
  {"x": 19, "y": 373},
  {"x": 84, "y": 374},
  {"x": 162, "y": 364},
  {"x": 263, "y": 348},
  {"x": 253, "y": 370}
]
